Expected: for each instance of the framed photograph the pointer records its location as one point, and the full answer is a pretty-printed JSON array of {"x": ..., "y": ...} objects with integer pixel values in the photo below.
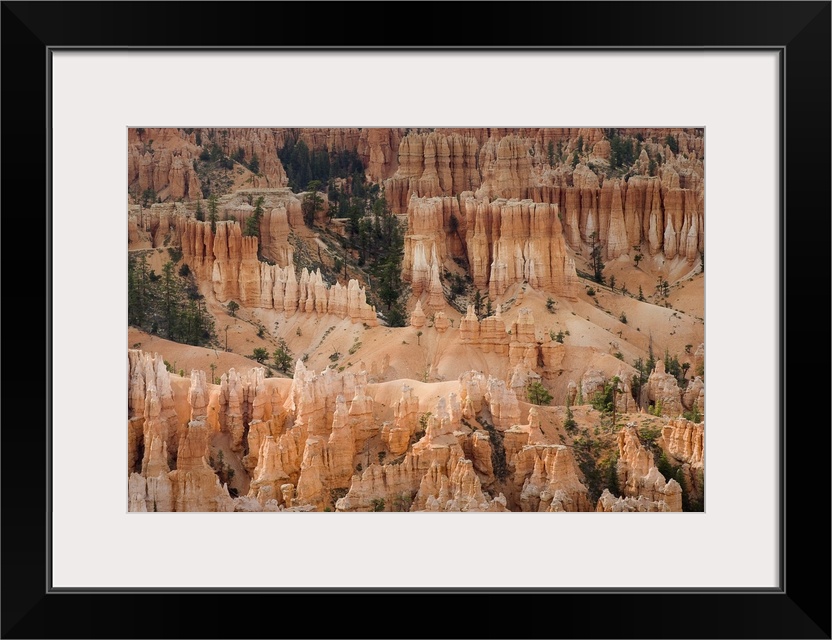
[{"x": 731, "y": 99}]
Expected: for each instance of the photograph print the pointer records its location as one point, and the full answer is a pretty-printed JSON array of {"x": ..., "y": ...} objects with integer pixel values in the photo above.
[{"x": 415, "y": 319}]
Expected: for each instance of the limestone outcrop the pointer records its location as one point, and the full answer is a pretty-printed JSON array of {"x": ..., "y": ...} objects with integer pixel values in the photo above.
[
  {"x": 161, "y": 161},
  {"x": 406, "y": 422},
  {"x": 660, "y": 207},
  {"x": 662, "y": 390},
  {"x": 196, "y": 487},
  {"x": 297, "y": 450},
  {"x": 280, "y": 211},
  {"x": 418, "y": 318},
  {"x": 638, "y": 475},
  {"x": 657, "y": 207},
  {"x": 502, "y": 403},
  {"x": 516, "y": 241},
  {"x": 684, "y": 441},
  {"x": 261, "y": 143},
  {"x": 610, "y": 504},
  {"x": 454, "y": 487},
  {"x": 152, "y": 411},
  {"x": 549, "y": 479},
  {"x": 433, "y": 164},
  {"x": 236, "y": 273}
]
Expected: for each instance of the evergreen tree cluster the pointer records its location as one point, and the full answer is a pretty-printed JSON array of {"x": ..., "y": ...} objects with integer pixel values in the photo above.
[
  {"x": 303, "y": 165},
  {"x": 379, "y": 239},
  {"x": 213, "y": 154},
  {"x": 214, "y": 170},
  {"x": 603, "y": 400},
  {"x": 676, "y": 369},
  {"x": 168, "y": 304},
  {"x": 252, "y": 226},
  {"x": 537, "y": 394},
  {"x": 240, "y": 157},
  {"x": 623, "y": 152},
  {"x": 596, "y": 259}
]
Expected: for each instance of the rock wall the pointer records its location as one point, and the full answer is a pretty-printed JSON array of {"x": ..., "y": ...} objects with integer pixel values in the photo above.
[
  {"x": 296, "y": 448},
  {"x": 608, "y": 503},
  {"x": 261, "y": 142},
  {"x": 662, "y": 390},
  {"x": 684, "y": 441},
  {"x": 549, "y": 479},
  {"x": 659, "y": 206},
  {"x": 436, "y": 474},
  {"x": 376, "y": 147},
  {"x": 638, "y": 476},
  {"x": 291, "y": 448},
  {"x": 230, "y": 262},
  {"x": 432, "y": 164},
  {"x": 162, "y": 160},
  {"x": 161, "y": 437},
  {"x": 502, "y": 242}
]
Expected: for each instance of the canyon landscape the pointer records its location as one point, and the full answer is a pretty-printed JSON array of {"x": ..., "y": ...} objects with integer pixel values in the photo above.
[{"x": 415, "y": 319}]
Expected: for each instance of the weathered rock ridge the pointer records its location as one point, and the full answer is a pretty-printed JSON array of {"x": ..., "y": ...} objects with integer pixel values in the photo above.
[
  {"x": 295, "y": 447},
  {"x": 503, "y": 242},
  {"x": 662, "y": 211},
  {"x": 640, "y": 479}
]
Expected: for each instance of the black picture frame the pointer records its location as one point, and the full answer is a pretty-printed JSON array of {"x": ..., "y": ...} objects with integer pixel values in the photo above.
[{"x": 800, "y": 31}]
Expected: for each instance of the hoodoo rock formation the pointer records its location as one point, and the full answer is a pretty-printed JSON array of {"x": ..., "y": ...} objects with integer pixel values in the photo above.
[
  {"x": 505, "y": 242},
  {"x": 416, "y": 320},
  {"x": 639, "y": 477}
]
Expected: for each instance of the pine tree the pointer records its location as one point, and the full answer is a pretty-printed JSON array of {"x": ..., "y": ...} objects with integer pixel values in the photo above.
[
  {"x": 595, "y": 258},
  {"x": 171, "y": 301},
  {"x": 537, "y": 393},
  {"x": 253, "y": 221},
  {"x": 212, "y": 212},
  {"x": 312, "y": 203},
  {"x": 569, "y": 424},
  {"x": 477, "y": 303}
]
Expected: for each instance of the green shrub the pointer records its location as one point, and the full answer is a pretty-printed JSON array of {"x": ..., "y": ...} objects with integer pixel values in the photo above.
[
  {"x": 282, "y": 356},
  {"x": 602, "y": 400},
  {"x": 694, "y": 415},
  {"x": 498, "y": 451},
  {"x": 537, "y": 393},
  {"x": 649, "y": 434},
  {"x": 569, "y": 424}
]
